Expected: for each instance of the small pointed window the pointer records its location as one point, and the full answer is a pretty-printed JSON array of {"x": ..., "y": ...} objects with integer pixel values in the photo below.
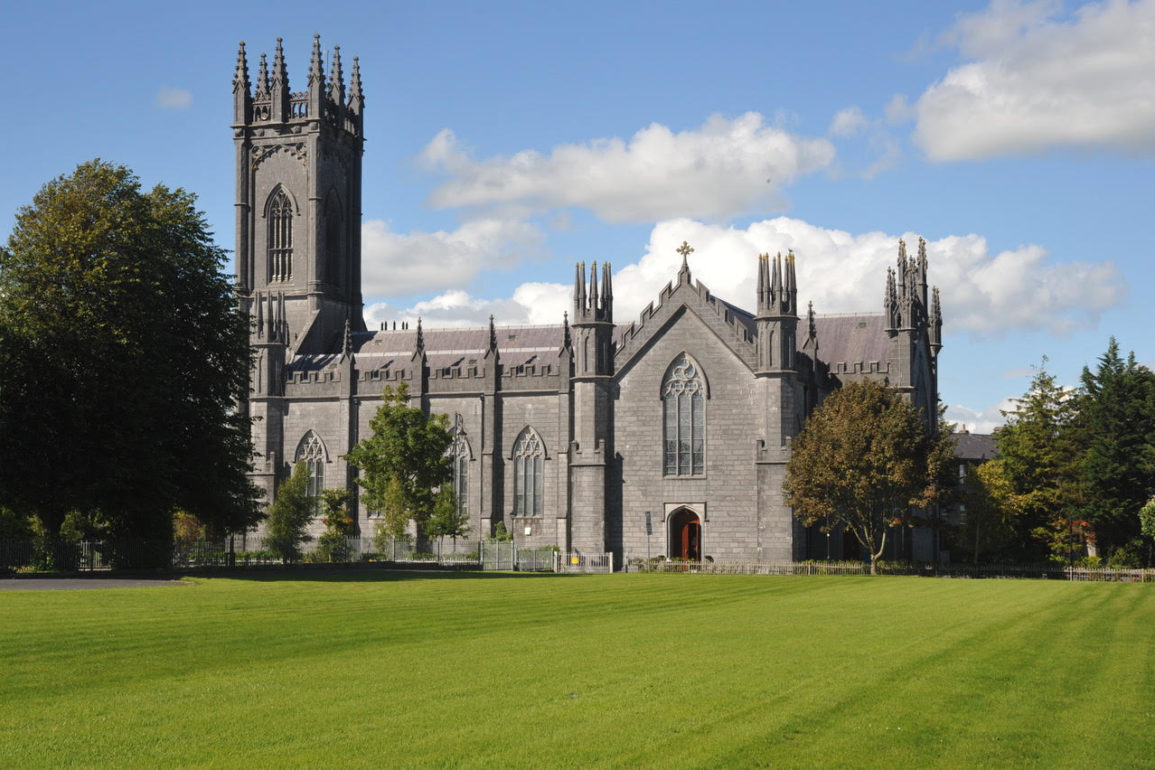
[
  {"x": 528, "y": 475},
  {"x": 683, "y": 394},
  {"x": 280, "y": 237}
]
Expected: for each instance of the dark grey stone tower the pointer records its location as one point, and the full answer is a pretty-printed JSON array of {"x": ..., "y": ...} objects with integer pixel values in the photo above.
[{"x": 298, "y": 226}]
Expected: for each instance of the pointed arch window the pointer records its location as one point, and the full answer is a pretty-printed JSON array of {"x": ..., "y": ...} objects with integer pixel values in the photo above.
[
  {"x": 460, "y": 454},
  {"x": 684, "y": 419},
  {"x": 528, "y": 475},
  {"x": 280, "y": 242},
  {"x": 312, "y": 452}
]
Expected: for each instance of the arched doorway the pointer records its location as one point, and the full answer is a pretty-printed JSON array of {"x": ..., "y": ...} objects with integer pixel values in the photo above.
[{"x": 685, "y": 535}]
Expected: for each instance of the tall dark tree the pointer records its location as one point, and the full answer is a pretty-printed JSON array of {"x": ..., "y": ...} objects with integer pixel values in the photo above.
[
  {"x": 404, "y": 462},
  {"x": 1117, "y": 426},
  {"x": 1039, "y": 453},
  {"x": 126, "y": 354},
  {"x": 864, "y": 461}
]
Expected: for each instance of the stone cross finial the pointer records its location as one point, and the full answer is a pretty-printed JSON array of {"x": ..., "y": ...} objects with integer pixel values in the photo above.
[{"x": 685, "y": 250}]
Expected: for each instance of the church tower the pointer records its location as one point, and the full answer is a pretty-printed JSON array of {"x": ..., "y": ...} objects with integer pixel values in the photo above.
[
  {"x": 593, "y": 331},
  {"x": 298, "y": 230},
  {"x": 298, "y": 198}
]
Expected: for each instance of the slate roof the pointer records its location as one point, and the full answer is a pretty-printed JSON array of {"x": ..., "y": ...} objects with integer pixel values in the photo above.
[
  {"x": 385, "y": 349},
  {"x": 975, "y": 446},
  {"x": 849, "y": 338}
]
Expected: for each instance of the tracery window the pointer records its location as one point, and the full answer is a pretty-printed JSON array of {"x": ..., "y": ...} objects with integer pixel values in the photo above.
[
  {"x": 683, "y": 394},
  {"x": 280, "y": 236},
  {"x": 528, "y": 476},
  {"x": 460, "y": 454},
  {"x": 312, "y": 452}
]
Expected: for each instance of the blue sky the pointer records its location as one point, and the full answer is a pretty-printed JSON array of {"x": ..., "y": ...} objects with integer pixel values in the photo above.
[{"x": 508, "y": 140}]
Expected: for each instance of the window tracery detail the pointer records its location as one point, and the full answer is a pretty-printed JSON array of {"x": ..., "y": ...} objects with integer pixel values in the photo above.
[{"x": 684, "y": 420}]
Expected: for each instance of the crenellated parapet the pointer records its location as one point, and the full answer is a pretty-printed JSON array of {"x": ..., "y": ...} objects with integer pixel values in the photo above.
[
  {"x": 730, "y": 323},
  {"x": 323, "y": 101}
]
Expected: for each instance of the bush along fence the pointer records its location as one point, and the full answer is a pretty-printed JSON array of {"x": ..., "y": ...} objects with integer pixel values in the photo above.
[
  {"x": 242, "y": 551},
  {"x": 999, "y": 571},
  {"x": 248, "y": 551}
]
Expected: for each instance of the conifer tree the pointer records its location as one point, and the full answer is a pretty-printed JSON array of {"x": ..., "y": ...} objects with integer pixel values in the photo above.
[{"x": 1117, "y": 461}]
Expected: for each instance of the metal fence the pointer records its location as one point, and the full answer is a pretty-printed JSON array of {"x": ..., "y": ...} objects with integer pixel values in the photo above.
[
  {"x": 982, "y": 571},
  {"x": 249, "y": 551}
]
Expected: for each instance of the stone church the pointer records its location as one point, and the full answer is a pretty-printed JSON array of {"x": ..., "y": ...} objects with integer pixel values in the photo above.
[{"x": 668, "y": 433}]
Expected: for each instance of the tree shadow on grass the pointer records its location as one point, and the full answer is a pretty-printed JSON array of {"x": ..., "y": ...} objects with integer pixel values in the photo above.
[{"x": 325, "y": 574}]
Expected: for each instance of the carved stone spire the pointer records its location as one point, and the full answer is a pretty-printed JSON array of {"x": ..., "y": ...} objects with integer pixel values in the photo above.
[
  {"x": 935, "y": 322},
  {"x": 347, "y": 341},
  {"x": 776, "y": 284},
  {"x": 263, "y": 77},
  {"x": 890, "y": 301},
  {"x": 419, "y": 347},
  {"x": 607, "y": 293},
  {"x": 280, "y": 85},
  {"x": 337, "y": 79},
  {"x": 242, "y": 97},
  {"x": 791, "y": 285},
  {"x": 594, "y": 288},
  {"x": 492, "y": 334},
  {"x": 812, "y": 329},
  {"x": 356, "y": 98},
  {"x": 762, "y": 300},
  {"x": 241, "y": 76},
  {"x": 566, "y": 341},
  {"x": 579, "y": 290},
  {"x": 316, "y": 69}
]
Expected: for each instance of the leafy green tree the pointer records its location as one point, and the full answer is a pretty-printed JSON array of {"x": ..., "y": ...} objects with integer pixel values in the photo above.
[
  {"x": 447, "y": 520},
  {"x": 1117, "y": 435},
  {"x": 403, "y": 462},
  {"x": 990, "y": 516},
  {"x": 1039, "y": 451},
  {"x": 289, "y": 516},
  {"x": 863, "y": 461},
  {"x": 333, "y": 545},
  {"x": 124, "y": 356}
]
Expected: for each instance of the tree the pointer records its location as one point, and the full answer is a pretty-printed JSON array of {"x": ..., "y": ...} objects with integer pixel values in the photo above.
[
  {"x": 289, "y": 516},
  {"x": 447, "y": 519},
  {"x": 863, "y": 461},
  {"x": 404, "y": 462},
  {"x": 1038, "y": 449},
  {"x": 333, "y": 545},
  {"x": 991, "y": 516},
  {"x": 1117, "y": 461},
  {"x": 125, "y": 354}
]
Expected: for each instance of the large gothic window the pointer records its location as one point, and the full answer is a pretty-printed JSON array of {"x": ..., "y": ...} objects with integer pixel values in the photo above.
[
  {"x": 460, "y": 455},
  {"x": 312, "y": 452},
  {"x": 528, "y": 475},
  {"x": 683, "y": 393},
  {"x": 280, "y": 218}
]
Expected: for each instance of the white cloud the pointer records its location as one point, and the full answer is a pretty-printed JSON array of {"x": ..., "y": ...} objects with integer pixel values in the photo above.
[
  {"x": 983, "y": 292},
  {"x": 898, "y": 110},
  {"x": 397, "y": 264},
  {"x": 531, "y": 303},
  {"x": 721, "y": 169},
  {"x": 848, "y": 122},
  {"x": 979, "y": 420},
  {"x": 173, "y": 99},
  {"x": 1036, "y": 81}
]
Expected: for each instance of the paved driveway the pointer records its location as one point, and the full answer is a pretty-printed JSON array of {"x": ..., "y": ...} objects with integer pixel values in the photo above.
[{"x": 74, "y": 584}]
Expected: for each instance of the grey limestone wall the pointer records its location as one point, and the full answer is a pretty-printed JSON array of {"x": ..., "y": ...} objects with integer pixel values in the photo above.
[{"x": 726, "y": 497}]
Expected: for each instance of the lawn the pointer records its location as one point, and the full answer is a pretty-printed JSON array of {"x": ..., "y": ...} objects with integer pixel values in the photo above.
[{"x": 390, "y": 670}]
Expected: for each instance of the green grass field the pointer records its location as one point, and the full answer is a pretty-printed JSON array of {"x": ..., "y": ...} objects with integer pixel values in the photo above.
[{"x": 387, "y": 670}]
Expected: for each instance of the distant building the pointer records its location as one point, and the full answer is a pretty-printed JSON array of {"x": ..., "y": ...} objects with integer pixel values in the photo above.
[{"x": 568, "y": 434}]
